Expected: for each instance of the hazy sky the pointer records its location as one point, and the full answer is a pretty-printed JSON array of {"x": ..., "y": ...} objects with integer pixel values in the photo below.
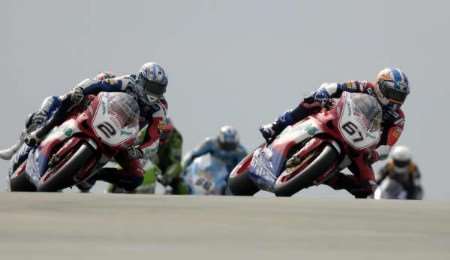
[{"x": 234, "y": 62}]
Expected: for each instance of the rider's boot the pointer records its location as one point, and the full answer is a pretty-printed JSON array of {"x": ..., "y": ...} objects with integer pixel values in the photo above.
[
  {"x": 7, "y": 154},
  {"x": 119, "y": 178},
  {"x": 351, "y": 184},
  {"x": 306, "y": 108},
  {"x": 67, "y": 103},
  {"x": 36, "y": 136},
  {"x": 86, "y": 186},
  {"x": 31, "y": 123}
]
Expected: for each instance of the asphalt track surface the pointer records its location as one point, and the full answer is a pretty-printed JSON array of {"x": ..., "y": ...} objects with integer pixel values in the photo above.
[{"x": 114, "y": 226}]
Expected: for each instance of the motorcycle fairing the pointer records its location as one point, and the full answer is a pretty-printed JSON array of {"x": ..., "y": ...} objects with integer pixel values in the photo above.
[
  {"x": 268, "y": 162},
  {"x": 107, "y": 125},
  {"x": 122, "y": 110},
  {"x": 390, "y": 189},
  {"x": 19, "y": 157},
  {"x": 206, "y": 175},
  {"x": 353, "y": 124},
  {"x": 38, "y": 158}
]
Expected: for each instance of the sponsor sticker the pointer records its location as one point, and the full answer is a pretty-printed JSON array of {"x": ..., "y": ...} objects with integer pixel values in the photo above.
[{"x": 311, "y": 129}]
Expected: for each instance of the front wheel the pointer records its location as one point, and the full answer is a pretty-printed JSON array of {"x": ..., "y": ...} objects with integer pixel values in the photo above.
[
  {"x": 19, "y": 180},
  {"x": 63, "y": 177},
  {"x": 304, "y": 174},
  {"x": 239, "y": 181}
]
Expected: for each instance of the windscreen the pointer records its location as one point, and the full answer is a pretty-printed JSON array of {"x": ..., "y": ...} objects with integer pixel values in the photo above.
[
  {"x": 124, "y": 109},
  {"x": 368, "y": 110}
]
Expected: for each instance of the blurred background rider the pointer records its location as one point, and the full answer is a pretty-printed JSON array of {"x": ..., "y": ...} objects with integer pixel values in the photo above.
[
  {"x": 226, "y": 147},
  {"x": 401, "y": 169},
  {"x": 163, "y": 165}
]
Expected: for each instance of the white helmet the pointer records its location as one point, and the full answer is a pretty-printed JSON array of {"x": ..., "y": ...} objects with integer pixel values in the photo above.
[
  {"x": 401, "y": 156},
  {"x": 153, "y": 80}
]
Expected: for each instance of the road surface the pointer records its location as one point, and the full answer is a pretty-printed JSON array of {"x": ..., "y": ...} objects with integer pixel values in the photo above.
[{"x": 116, "y": 226}]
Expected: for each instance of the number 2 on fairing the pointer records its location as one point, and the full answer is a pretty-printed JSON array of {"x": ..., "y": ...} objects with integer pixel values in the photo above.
[
  {"x": 352, "y": 129},
  {"x": 107, "y": 129}
]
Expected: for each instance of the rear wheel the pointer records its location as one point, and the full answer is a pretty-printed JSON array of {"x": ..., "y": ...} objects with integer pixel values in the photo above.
[
  {"x": 303, "y": 175},
  {"x": 63, "y": 176}
]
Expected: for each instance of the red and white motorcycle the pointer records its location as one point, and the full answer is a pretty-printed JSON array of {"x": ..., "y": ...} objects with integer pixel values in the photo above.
[
  {"x": 311, "y": 151},
  {"x": 71, "y": 152}
]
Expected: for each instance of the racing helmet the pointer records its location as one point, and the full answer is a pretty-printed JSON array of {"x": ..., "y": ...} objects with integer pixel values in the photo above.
[
  {"x": 153, "y": 80},
  {"x": 228, "y": 138},
  {"x": 392, "y": 87},
  {"x": 401, "y": 158}
]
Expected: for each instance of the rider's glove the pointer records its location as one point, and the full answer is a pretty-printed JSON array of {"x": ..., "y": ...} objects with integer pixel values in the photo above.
[
  {"x": 267, "y": 132},
  {"x": 322, "y": 96},
  {"x": 76, "y": 95},
  {"x": 38, "y": 119},
  {"x": 135, "y": 152},
  {"x": 104, "y": 75},
  {"x": 35, "y": 122}
]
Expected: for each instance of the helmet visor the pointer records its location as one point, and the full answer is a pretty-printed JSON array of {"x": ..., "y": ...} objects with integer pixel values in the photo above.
[
  {"x": 228, "y": 146},
  {"x": 393, "y": 91},
  {"x": 228, "y": 141},
  {"x": 401, "y": 164},
  {"x": 152, "y": 88}
]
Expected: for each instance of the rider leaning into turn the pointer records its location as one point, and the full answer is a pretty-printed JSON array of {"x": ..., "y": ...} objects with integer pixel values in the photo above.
[
  {"x": 391, "y": 89},
  {"x": 19, "y": 152},
  {"x": 147, "y": 87}
]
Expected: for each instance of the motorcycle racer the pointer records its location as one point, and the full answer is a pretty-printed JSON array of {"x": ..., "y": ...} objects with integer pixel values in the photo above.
[
  {"x": 225, "y": 146},
  {"x": 164, "y": 165},
  {"x": 390, "y": 89},
  {"x": 402, "y": 169},
  {"x": 19, "y": 152},
  {"x": 147, "y": 87}
]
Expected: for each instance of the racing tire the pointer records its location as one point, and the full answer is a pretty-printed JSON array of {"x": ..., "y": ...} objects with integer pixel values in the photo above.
[
  {"x": 63, "y": 177},
  {"x": 242, "y": 185},
  {"x": 21, "y": 183},
  {"x": 323, "y": 161}
]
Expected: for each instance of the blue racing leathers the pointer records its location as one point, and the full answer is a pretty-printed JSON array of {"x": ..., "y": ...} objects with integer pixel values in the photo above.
[
  {"x": 211, "y": 145},
  {"x": 35, "y": 120}
]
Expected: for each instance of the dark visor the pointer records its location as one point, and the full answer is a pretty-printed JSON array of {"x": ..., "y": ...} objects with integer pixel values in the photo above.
[
  {"x": 401, "y": 164},
  {"x": 228, "y": 146},
  {"x": 390, "y": 91},
  {"x": 154, "y": 89}
]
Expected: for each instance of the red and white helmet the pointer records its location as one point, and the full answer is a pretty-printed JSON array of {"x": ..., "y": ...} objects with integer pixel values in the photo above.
[{"x": 392, "y": 86}]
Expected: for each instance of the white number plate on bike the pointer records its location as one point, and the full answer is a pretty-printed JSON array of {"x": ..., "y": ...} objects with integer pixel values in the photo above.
[{"x": 262, "y": 166}]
